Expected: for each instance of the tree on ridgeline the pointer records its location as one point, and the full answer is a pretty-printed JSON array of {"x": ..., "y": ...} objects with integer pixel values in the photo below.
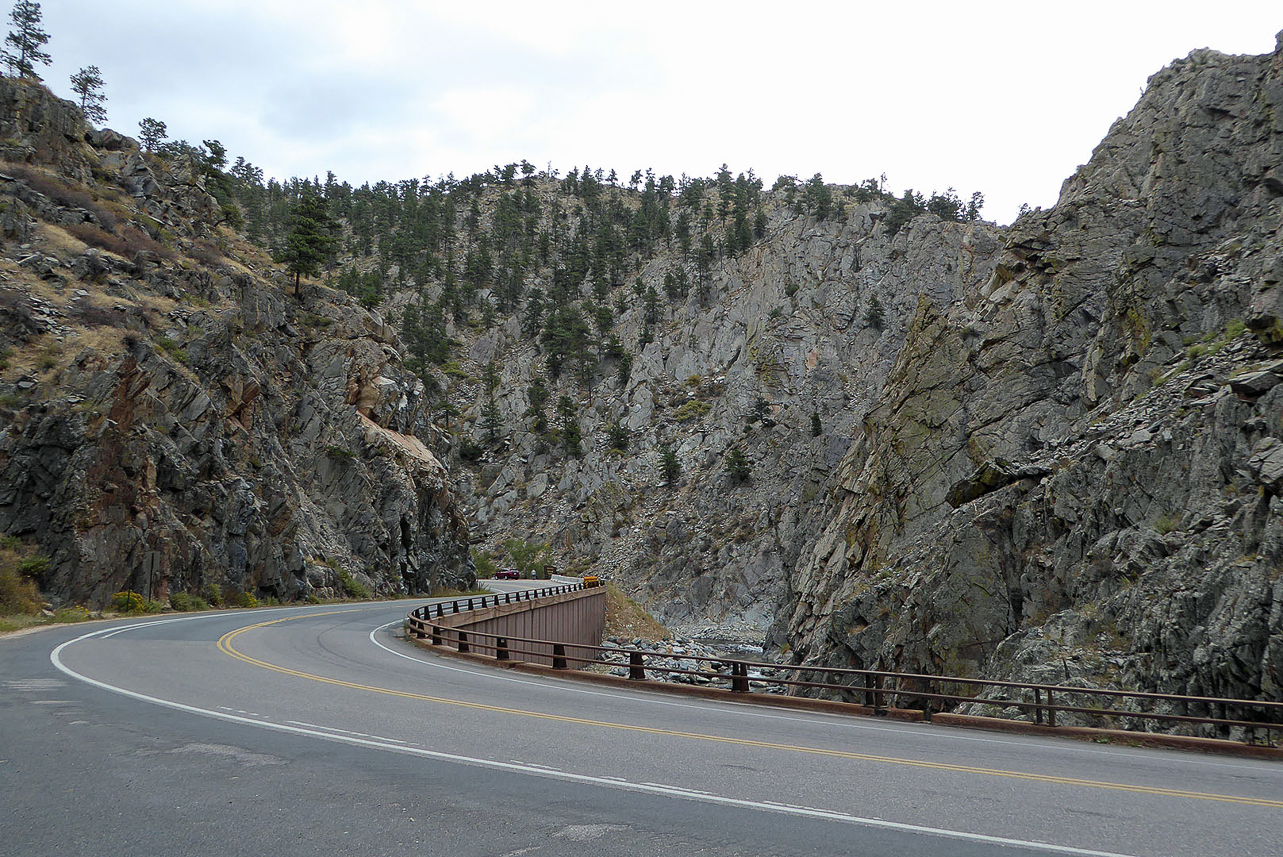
[
  {"x": 311, "y": 239},
  {"x": 87, "y": 83},
  {"x": 152, "y": 132},
  {"x": 22, "y": 46}
]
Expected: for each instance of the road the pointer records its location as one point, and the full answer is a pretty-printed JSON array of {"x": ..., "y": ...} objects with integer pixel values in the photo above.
[{"x": 318, "y": 729}]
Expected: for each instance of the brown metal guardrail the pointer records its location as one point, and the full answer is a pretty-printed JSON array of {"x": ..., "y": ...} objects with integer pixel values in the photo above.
[
  {"x": 878, "y": 688},
  {"x": 480, "y": 602}
]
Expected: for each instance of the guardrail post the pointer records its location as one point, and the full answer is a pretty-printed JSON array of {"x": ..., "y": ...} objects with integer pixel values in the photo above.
[
  {"x": 1038, "y": 705},
  {"x": 436, "y": 634},
  {"x": 873, "y": 692},
  {"x": 500, "y": 649},
  {"x": 558, "y": 656},
  {"x": 739, "y": 677},
  {"x": 636, "y": 671},
  {"x": 926, "y": 703},
  {"x": 456, "y": 606},
  {"x": 1051, "y": 712},
  {"x": 463, "y": 641}
]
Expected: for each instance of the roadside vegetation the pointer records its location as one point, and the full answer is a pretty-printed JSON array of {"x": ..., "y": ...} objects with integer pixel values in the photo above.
[{"x": 20, "y": 603}]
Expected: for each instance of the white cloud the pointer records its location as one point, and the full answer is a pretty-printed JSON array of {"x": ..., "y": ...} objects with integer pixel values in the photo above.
[{"x": 1003, "y": 97}]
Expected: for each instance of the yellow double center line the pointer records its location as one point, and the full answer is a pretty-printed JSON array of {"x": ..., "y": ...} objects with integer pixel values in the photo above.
[{"x": 225, "y": 645}]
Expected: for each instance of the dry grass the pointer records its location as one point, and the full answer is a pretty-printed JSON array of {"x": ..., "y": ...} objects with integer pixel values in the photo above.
[
  {"x": 56, "y": 241},
  {"x": 626, "y": 619}
]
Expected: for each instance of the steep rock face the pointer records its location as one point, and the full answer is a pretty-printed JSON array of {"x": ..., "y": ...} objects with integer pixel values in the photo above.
[
  {"x": 1045, "y": 488},
  {"x": 176, "y": 425},
  {"x": 786, "y": 328}
]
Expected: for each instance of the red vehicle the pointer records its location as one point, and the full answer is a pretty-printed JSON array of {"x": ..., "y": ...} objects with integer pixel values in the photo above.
[{"x": 507, "y": 574}]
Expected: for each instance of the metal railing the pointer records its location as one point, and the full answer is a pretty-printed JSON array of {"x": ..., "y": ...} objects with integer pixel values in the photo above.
[
  {"x": 480, "y": 602},
  {"x": 879, "y": 690}
]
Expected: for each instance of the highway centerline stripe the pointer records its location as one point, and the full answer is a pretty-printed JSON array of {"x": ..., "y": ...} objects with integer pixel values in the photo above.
[{"x": 225, "y": 645}]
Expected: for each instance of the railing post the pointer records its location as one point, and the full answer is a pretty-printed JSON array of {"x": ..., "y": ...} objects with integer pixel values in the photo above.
[
  {"x": 436, "y": 634},
  {"x": 463, "y": 641},
  {"x": 456, "y": 606},
  {"x": 636, "y": 671},
  {"x": 1051, "y": 712},
  {"x": 926, "y": 703},
  {"x": 558, "y": 656},
  {"x": 500, "y": 649},
  {"x": 739, "y": 677},
  {"x": 1038, "y": 705}
]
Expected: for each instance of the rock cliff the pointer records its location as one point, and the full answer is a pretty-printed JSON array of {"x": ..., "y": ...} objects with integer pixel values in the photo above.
[
  {"x": 173, "y": 420},
  {"x": 1071, "y": 471}
]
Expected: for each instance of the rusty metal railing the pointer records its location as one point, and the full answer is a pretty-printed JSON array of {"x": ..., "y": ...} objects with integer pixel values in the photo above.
[{"x": 880, "y": 690}]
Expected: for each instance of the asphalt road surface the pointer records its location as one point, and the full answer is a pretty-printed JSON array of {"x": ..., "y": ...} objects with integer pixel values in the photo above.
[{"x": 320, "y": 730}]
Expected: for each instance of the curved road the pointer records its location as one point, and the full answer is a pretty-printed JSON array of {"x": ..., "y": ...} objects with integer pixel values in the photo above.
[{"x": 319, "y": 729}]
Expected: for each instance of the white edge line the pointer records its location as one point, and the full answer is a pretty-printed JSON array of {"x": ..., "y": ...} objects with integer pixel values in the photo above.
[{"x": 565, "y": 776}]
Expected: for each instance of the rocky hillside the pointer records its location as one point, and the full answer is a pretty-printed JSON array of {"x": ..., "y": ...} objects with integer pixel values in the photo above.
[
  {"x": 173, "y": 420},
  {"x": 867, "y": 429},
  {"x": 1072, "y": 472}
]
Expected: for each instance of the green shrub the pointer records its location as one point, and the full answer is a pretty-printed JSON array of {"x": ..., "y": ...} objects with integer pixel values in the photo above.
[
  {"x": 527, "y": 556},
  {"x": 17, "y": 594},
  {"x": 128, "y": 601},
  {"x": 213, "y": 595},
  {"x": 353, "y": 587},
  {"x": 185, "y": 602},
  {"x": 235, "y": 598},
  {"x": 484, "y": 565},
  {"x": 692, "y": 410}
]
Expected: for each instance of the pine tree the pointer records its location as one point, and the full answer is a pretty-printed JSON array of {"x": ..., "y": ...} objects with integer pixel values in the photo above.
[
  {"x": 618, "y": 436},
  {"x": 873, "y": 316},
  {"x": 311, "y": 240},
  {"x": 817, "y": 428},
  {"x": 737, "y": 466},
  {"x": 537, "y": 393},
  {"x": 152, "y": 132},
  {"x": 490, "y": 421},
  {"x": 571, "y": 434},
  {"x": 669, "y": 465},
  {"x": 87, "y": 83},
  {"x": 22, "y": 46}
]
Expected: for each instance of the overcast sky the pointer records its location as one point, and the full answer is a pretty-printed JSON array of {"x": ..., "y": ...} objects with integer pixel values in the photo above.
[{"x": 1002, "y": 97}]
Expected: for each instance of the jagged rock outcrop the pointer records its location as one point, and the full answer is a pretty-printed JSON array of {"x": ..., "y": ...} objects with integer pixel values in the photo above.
[
  {"x": 1071, "y": 471},
  {"x": 178, "y": 423}
]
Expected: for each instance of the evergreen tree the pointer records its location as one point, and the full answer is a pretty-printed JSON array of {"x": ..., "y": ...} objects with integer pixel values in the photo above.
[
  {"x": 571, "y": 434},
  {"x": 537, "y": 393},
  {"x": 669, "y": 466},
  {"x": 152, "y": 132},
  {"x": 873, "y": 315},
  {"x": 761, "y": 412},
  {"x": 737, "y": 467},
  {"x": 490, "y": 422},
  {"x": 87, "y": 83},
  {"x": 22, "y": 46},
  {"x": 311, "y": 240},
  {"x": 817, "y": 428},
  {"x": 618, "y": 436}
]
